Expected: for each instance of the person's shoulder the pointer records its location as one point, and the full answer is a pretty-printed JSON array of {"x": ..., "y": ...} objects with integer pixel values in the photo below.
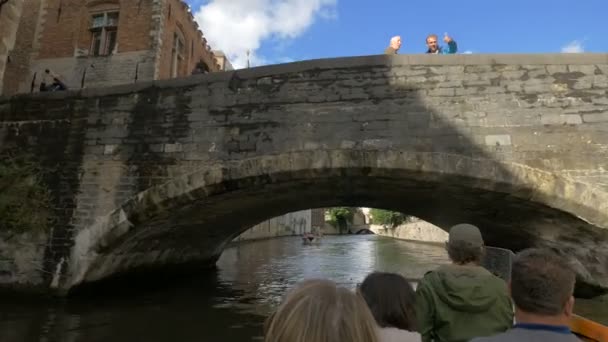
[
  {"x": 504, "y": 337},
  {"x": 429, "y": 277},
  {"x": 497, "y": 281},
  {"x": 390, "y": 334},
  {"x": 429, "y": 274},
  {"x": 425, "y": 281}
]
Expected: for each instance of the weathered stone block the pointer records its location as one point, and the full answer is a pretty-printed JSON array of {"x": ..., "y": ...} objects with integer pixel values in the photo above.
[
  {"x": 596, "y": 117},
  {"x": 498, "y": 140},
  {"x": 442, "y": 92},
  {"x": 565, "y": 119},
  {"x": 585, "y": 69},
  {"x": 110, "y": 149},
  {"x": 171, "y": 148},
  {"x": 553, "y": 69},
  {"x": 512, "y": 75}
]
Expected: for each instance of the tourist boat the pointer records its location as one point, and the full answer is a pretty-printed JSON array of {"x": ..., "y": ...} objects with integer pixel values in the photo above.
[
  {"x": 309, "y": 239},
  {"x": 588, "y": 330}
]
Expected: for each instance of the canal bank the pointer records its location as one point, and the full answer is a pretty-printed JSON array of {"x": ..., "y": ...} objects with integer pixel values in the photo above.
[{"x": 417, "y": 231}]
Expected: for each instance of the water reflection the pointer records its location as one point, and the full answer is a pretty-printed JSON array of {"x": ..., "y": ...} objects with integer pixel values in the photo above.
[{"x": 228, "y": 304}]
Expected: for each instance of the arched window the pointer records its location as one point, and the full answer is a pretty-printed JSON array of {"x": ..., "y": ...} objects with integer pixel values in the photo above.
[
  {"x": 200, "y": 68},
  {"x": 104, "y": 27},
  {"x": 177, "y": 53}
]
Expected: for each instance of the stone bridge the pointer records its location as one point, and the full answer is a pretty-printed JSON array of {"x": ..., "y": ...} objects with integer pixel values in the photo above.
[{"x": 161, "y": 176}]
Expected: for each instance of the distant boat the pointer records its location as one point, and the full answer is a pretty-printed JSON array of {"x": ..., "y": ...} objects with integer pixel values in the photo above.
[{"x": 309, "y": 239}]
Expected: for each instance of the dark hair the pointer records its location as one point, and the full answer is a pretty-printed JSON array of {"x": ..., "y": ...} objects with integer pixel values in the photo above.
[
  {"x": 541, "y": 281},
  {"x": 462, "y": 252},
  {"x": 391, "y": 299}
]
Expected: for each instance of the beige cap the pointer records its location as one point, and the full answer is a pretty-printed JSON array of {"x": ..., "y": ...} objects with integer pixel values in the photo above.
[{"x": 465, "y": 232}]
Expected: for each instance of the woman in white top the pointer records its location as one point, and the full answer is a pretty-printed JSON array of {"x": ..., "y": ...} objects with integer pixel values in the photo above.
[{"x": 391, "y": 298}]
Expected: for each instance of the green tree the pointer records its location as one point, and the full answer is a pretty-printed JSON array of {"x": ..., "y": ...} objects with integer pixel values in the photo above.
[
  {"x": 340, "y": 217},
  {"x": 388, "y": 218}
]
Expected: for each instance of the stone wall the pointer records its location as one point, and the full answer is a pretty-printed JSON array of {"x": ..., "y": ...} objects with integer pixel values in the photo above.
[
  {"x": 22, "y": 259},
  {"x": 120, "y": 68},
  {"x": 167, "y": 173},
  {"x": 291, "y": 224},
  {"x": 420, "y": 231}
]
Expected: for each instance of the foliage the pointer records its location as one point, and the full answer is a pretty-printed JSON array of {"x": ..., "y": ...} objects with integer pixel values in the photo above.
[
  {"x": 339, "y": 217},
  {"x": 389, "y": 218},
  {"x": 24, "y": 199}
]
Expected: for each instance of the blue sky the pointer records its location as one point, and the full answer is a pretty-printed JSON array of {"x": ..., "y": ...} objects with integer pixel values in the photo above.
[{"x": 286, "y": 30}]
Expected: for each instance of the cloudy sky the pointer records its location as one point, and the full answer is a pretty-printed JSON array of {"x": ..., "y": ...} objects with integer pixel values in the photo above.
[{"x": 277, "y": 31}]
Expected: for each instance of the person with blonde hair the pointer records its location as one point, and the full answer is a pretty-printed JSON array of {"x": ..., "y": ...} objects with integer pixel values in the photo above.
[{"x": 320, "y": 311}]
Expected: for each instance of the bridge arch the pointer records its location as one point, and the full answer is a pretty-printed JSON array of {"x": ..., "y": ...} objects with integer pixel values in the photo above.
[
  {"x": 188, "y": 221},
  {"x": 162, "y": 173}
]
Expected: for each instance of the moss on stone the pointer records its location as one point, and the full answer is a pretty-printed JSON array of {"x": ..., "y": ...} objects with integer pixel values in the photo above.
[{"x": 25, "y": 203}]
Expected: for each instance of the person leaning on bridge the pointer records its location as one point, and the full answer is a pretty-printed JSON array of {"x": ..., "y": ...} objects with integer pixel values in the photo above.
[
  {"x": 541, "y": 286},
  {"x": 433, "y": 47},
  {"x": 394, "y": 46},
  {"x": 462, "y": 300}
]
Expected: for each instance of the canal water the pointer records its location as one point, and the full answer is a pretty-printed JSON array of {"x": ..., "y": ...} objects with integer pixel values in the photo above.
[{"x": 228, "y": 304}]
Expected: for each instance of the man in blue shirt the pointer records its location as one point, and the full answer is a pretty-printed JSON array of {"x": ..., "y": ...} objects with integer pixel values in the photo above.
[
  {"x": 434, "y": 48},
  {"x": 542, "y": 284}
]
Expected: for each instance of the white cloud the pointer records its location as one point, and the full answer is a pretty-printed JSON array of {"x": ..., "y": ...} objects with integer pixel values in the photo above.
[
  {"x": 575, "y": 46},
  {"x": 468, "y": 52},
  {"x": 238, "y": 26}
]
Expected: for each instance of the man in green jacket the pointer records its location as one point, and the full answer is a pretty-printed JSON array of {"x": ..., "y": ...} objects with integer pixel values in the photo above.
[{"x": 460, "y": 301}]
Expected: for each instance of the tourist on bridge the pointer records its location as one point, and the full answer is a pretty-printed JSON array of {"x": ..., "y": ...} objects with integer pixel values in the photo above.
[
  {"x": 320, "y": 311},
  {"x": 432, "y": 43},
  {"x": 51, "y": 82},
  {"x": 391, "y": 298},
  {"x": 462, "y": 300},
  {"x": 542, "y": 286},
  {"x": 394, "y": 46}
]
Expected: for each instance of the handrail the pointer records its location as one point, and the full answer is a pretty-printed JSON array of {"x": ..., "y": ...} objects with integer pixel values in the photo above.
[{"x": 588, "y": 329}]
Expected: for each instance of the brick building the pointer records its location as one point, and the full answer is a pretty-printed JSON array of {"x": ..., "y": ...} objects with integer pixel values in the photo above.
[
  {"x": 96, "y": 43},
  {"x": 222, "y": 60},
  {"x": 10, "y": 14}
]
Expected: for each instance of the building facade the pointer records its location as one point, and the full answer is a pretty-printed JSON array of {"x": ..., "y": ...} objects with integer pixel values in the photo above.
[
  {"x": 222, "y": 60},
  {"x": 290, "y": 224},
  {"x": 97, "y": 43},
  {"x": 10, "y": 16}
]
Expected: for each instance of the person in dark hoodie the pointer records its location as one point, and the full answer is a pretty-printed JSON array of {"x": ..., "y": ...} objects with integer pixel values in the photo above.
[{"x": 463, "y": 300}]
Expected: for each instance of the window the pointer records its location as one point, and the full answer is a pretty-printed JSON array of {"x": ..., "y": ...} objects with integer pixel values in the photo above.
[
  {"x": 177, "y": 55},
  {"x": 103, "y": 33}
]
